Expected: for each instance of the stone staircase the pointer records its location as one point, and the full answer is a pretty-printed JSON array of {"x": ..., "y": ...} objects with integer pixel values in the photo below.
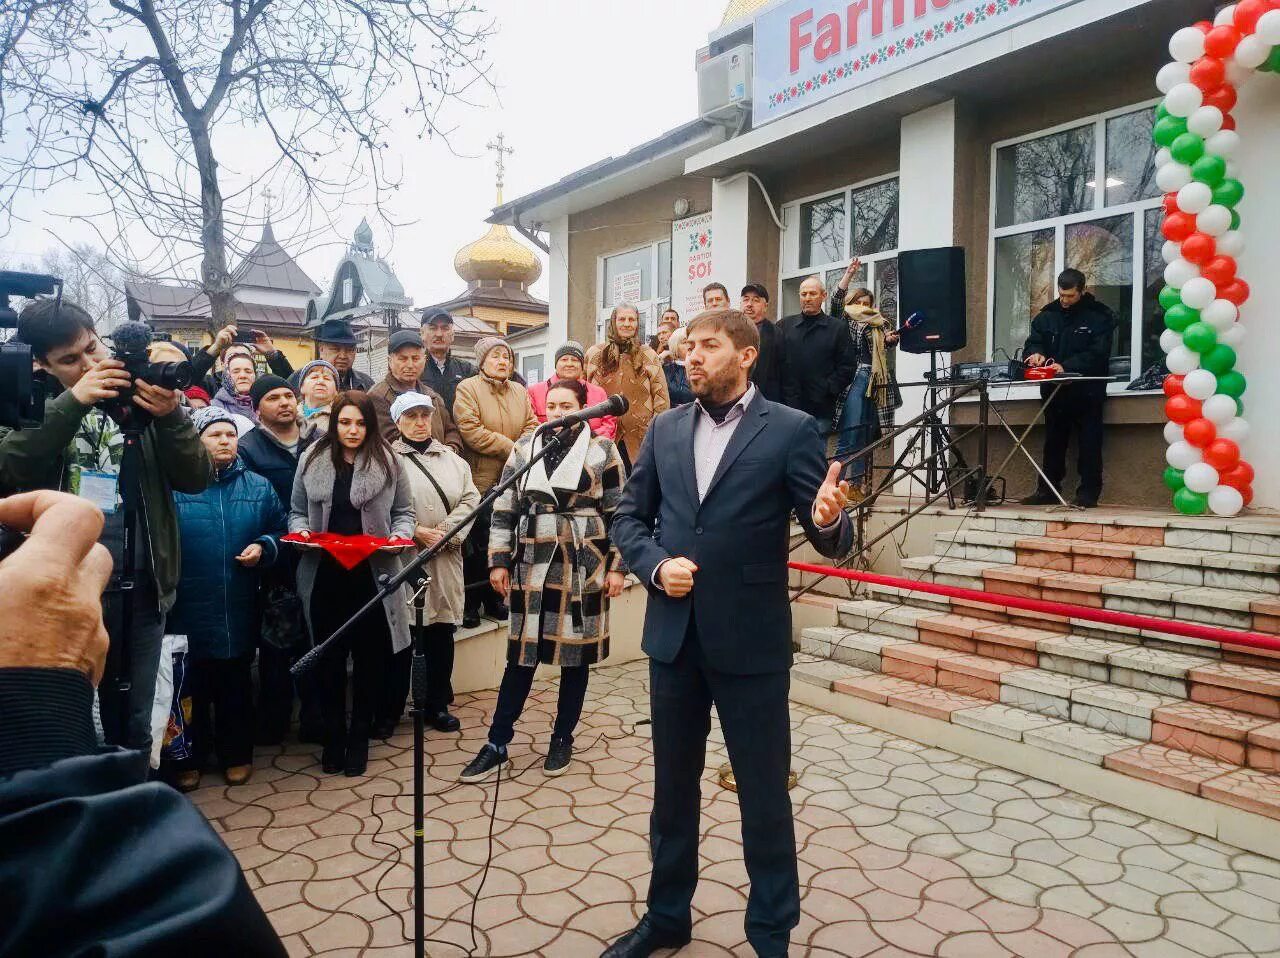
[{"x": 1191, "y": 716}]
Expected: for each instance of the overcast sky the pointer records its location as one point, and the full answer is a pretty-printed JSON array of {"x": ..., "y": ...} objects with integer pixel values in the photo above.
[{"x": 578, "y": 80}]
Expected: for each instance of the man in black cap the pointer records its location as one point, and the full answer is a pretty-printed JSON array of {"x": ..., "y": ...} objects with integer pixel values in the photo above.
[
  {"x": 405, "y": 361},
  {"x": 767, "y": 372},
  {"x": 336, "y": 343},
  {"x": 443, "y": 370}
]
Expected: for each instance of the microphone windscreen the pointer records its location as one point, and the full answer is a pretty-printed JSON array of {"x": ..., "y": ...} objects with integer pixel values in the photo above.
[
  {"x": 131, "y": 337},
  {"x": 620, "y": 404}
]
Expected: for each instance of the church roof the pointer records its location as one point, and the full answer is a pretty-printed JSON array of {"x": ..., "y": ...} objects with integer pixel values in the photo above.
[
  {"x": 268, "y": 266},
  {"x": 498, "y": 297},
  {"x": 497, "y": 256}
]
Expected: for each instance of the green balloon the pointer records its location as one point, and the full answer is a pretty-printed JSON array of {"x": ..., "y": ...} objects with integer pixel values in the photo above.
[
  {"x": 1272, "y": 63},
  {"x": 1228, "y": 193},
  {"x": 1179, "y": 317},
  {"x": 1235, "y": 219},
  {"x": 1173, "y": 478},
  {"x": 1187, "y": 148},
  {"x": 1219, "y": 360},
  {"x": 1168, "y": 130},
  {"x": 1211, "y": 170},
  {"x": 1239, "y": 406},
  {"x": 1161, "y": 111},
  {"x": 1200, "y": 337},
  {"x": 1190, "y": 503},
  {"x": 1232, "y": 384},
  {"x": 1170, "y": 297}
]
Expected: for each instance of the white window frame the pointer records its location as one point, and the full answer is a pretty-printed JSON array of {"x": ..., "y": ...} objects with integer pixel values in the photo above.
[
  {"x": 789, "y": 258},
  {"x": 1136, "y": 210},
  {"x": 651, "y": 308}
]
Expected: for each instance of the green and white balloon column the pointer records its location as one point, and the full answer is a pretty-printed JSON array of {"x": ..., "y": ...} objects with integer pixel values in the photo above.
[{"x": 1203, "y": 295}]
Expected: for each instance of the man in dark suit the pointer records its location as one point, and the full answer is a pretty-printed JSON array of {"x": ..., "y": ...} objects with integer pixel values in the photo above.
[{"x": 704, "y": 522}]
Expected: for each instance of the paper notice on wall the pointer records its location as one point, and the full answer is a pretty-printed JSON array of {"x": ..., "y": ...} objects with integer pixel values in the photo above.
[
  {"x": 690, "y": 263},
  {"x": 626, "y": 288}
]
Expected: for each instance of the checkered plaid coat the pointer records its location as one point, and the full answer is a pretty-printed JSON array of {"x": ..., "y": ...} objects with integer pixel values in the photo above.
[{"x": 558, "y": 554}]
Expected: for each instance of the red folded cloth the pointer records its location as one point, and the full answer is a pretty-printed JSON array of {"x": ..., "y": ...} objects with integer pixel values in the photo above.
[{"x": 349, "y": 551}]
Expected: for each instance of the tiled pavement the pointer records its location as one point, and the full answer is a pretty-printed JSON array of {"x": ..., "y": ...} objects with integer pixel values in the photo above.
[{"x": 904, "y": 850}]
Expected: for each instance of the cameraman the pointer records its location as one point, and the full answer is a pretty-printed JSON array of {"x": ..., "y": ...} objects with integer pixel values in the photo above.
[{"x": 79, "y": 449}]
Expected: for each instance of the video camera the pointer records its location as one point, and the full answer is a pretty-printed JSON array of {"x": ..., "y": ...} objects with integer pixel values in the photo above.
[
  {"x": 21, "y": 389},
  {"x": 130, "y": 342}
]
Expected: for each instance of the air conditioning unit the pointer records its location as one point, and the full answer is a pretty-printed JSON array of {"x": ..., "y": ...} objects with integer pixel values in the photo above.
[{"x": 724, "y": 85}]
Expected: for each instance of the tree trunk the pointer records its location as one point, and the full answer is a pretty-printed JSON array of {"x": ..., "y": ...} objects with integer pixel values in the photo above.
[{"x": 214, "y": 275}]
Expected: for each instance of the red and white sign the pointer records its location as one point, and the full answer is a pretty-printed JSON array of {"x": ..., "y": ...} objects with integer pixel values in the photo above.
[
  {"x": 690, "y": 263},
  {"x": 810, "y": 50}
]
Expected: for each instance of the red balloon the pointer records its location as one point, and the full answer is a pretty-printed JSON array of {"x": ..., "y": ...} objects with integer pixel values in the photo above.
[
  {"x": 1221, "y": 41},
  {"x": 1181, "y": 409},
  {"x": 1200, "y": 432},
  {"x": 1208, "y": 73},
  {"x": 1248, "y": 13},
  {"x": 1170, "y": 204},
  {"x": 1228, "y": 122},
  {"x": 1199, "y": 248},
  {"x": 1173, "y": 384},
  {"x": 1221, "y": 271},
  {"x": 1224, "y": 98},
  {"x": 1204, "y": 26},
  {"x": 1222, "y": 454},
  {"x": 1236, "y": 292},
  {"x": 1178, "y": 226},
  {"x": 1247, "y": 494},
  {"x": 1241, "y": 477}
]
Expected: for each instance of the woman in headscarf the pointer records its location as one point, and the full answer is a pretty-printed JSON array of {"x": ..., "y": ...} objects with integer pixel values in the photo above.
[
  {"x": 237, "y": 379},
  {"x": 673, "y": 368},
  {"x": 443, "y": 495},
  {"x": 492, "y": 412},
  {"x": 873, "y": 396},
  {"x": 550, "y": 553},
  {"x": 318, "y": 384},
  {"x": 622, "y": 364},
  {"x": 350, "y": 483}
]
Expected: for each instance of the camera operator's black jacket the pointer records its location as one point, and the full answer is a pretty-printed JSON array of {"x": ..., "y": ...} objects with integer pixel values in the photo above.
[
  {"x": 98, "y": 861},
  {"x": 172, "y": 458},
  {"x": 1079, "y": 337}
]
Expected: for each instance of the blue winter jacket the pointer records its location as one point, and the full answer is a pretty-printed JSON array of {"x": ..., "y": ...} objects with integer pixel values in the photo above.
[{"x": 217, "y": 597}]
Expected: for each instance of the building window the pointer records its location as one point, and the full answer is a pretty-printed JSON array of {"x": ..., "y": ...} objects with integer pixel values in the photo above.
[
  {"x": 640, "y": 276},
  {"x": 348, "y": 292},
  {"x": 824, "y": 233},
  {"x": 531, "y": 368},
  {"x": 1083, "y": 196}
]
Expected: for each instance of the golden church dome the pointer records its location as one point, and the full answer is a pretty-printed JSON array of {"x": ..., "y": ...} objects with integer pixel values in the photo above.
[
  {"x": 497, "y": 256},
  {"x": 740, "y": 10}
]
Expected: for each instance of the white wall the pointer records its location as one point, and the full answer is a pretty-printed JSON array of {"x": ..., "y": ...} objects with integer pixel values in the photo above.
[
  {"x": 558, "y": 289},
  {"x": 926, "y": 215},
  {"x": 729, "y": 201},
  {"x": 1258, "y": 119}
]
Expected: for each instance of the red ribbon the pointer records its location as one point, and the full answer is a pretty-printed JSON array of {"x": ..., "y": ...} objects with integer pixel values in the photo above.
[{"x": 349, "y": 551}]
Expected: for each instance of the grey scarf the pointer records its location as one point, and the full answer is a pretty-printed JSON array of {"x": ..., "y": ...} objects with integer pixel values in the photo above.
[{"x": 368, "y": 480}]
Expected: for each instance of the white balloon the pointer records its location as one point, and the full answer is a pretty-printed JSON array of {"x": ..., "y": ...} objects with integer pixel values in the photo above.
[
  {"x": 1268, "y": 30},
  {"x": 1200, "y": 384},
  {"x": 1172, "y": 433},
  {"x": 1200, "y": 477},
  {"x": 1215, "y": 221},
  {"x": 1171, "y": 251},
  {"x": 1173, "y": 176},
  {"x": 1234, "y": 336},
  {"x": 1182, "y": 360},
  {"x": 1163, "y": 156},
  {"x": 1231, "y": 243},
  {"x": 1187, "y": 45},
  {"x": 1199, "y": 292},
  {"x": 1251, "y": 52},
  {"x": 1206, "y": 121},
  {"x": 1178, "y": 273},
  {"x": 1182, "y": 454},
  {"x": 1226, "y": 16},
  {"x": 1172, "y": 74},
  {"x": 1220, "y": 314},
  {"x": 1183, "y": 100},
  {"x": 1195, "y": 198},
  {"x": 1237, "y": 430},
  {"x": 1169, "y": 341},
  {"x": 1237, "y": 75},
  {"x": 1219, "y": 409},
  {"x": 1223, "y": 143},
  {"x": 1225, "y": 501},
  {"x": 1233, "y": 170}
]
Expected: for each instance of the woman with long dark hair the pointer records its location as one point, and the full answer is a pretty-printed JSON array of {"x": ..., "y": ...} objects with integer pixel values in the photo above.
[
  {"x": 549, "y": 550},
  {"x": 351, "y": 483}
]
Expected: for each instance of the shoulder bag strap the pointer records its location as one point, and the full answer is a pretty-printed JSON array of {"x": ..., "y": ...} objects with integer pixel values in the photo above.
[{"x": 448, "y": 506}]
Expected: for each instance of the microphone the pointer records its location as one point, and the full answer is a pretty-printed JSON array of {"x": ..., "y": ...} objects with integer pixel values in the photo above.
[
  {"x": 914, "y": 320},
  {"x": 613, "y": 406}
]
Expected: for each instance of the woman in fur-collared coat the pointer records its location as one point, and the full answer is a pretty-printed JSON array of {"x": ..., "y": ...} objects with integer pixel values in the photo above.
[{"x": 550, "y": 553}]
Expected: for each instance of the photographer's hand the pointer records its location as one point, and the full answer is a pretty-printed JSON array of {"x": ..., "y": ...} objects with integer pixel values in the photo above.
[
  {"x": 103, "y": 381},
  {"x": 51, "y": 587},
  {"x": 226, "y": 336},
  {"x": 154, "y": 399}
]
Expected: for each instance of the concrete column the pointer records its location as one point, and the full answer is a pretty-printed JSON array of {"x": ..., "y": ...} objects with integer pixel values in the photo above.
[
  {"x": 926, "y": 208},
  {"x": 730, "y": 201},
  {"x": 558, "y": 293}
]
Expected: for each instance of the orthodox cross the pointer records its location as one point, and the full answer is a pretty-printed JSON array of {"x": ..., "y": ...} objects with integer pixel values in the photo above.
[{"x": 499, "y": 146}]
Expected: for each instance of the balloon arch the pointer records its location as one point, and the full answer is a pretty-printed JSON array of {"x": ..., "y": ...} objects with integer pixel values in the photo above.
[{"x": 1203, "y": 296}]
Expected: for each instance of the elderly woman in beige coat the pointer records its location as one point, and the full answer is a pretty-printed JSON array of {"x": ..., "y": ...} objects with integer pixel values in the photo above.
[
  {"x": 492, "y": 412},
  {"x": 622, "y": 364},
  {"x": 443, "y": 496}
]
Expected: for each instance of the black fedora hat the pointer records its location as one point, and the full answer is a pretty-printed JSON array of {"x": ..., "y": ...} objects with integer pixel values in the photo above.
[{"x": 337, "y": 332}]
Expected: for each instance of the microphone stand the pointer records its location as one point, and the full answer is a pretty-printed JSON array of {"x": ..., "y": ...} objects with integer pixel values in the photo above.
[{"x": 414, "y": 573}]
